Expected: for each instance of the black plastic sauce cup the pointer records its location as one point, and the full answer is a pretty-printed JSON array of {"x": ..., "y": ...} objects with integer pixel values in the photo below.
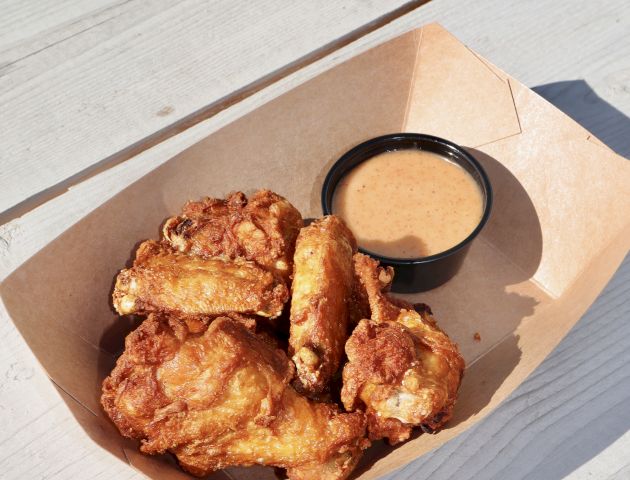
[{"x": 424, "y": 273}]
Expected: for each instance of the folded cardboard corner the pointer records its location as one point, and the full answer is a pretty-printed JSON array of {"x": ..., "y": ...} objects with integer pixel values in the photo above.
[{"x": 555, "y": 237}]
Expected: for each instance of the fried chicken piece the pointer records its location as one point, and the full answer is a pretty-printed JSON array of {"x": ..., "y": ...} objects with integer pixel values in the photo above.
[
  {"x": 360, "y": 303},
  {"x": 164, "y": 280},
  {"x": 262, "y": 229},
  {"x": 321, "y": 293},
  {"x": 199, "y": 323},
  {"x": 222, "y": 398},
  {"x": 402, "y": 370}
]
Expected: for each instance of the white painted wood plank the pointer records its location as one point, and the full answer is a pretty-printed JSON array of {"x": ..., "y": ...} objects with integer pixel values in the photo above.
[
  {"x": 63, "y": 42},
  {"x": 613, "y": 459},
  {"x": 521, "y": 39},
  {"x": 163, "y": 68},
  {"x": 22, "y": 19}
]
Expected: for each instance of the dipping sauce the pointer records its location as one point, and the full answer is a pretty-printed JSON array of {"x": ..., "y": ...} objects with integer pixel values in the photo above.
[{"x": 409, "y": 203}]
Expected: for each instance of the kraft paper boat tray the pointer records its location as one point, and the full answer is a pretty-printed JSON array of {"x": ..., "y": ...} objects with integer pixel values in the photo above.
[{"x": 559, "y": 229}]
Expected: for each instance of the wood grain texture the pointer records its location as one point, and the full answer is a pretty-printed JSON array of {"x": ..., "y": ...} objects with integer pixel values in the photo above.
[
  {"x": 570, "y": 419},
  {"x": 21, "y": 21},
  {"x": 94, "y": 105}
]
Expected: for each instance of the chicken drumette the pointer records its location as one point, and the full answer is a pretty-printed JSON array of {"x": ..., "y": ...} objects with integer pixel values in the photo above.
[
  {"x": 402, "y": 370},
  {"x": 222, "y": 398}
]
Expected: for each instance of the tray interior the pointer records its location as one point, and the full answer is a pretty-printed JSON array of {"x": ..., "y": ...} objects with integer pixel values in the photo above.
[{"x": 555, "y": 237}]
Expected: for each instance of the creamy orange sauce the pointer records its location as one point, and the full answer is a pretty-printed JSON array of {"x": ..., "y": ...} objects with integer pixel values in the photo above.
[{"x": 409, "y": 203}]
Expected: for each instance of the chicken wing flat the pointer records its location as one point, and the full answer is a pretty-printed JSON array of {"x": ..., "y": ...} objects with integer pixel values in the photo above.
[
  {"x": 165, "y": 280},
  {"x": 222, "y": 398},
  {"x": 262, "y": 229},
  {"x": 402, "y": 370},
  {"x": 321, "y": 293}
]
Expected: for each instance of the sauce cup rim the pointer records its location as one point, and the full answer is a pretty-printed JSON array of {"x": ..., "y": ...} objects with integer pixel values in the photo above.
[{"x": 441, "y": 146}]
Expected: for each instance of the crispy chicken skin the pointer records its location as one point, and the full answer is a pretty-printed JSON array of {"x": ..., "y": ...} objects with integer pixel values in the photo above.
[
  {"x": 360, "y": 303},
  {"x": 402, "y": 370},
  {"x": 165, "y": 280},
  {"x": 262, "y": 229},
  {"x": 321, "y": 294},
  {"x": 222, "y": 398}
]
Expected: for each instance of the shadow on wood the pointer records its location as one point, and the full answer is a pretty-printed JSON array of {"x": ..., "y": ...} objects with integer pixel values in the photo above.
[{"x": 580, "y": 102}]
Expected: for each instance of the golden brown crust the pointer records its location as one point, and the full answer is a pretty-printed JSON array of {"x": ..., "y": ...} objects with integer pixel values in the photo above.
[
  {"x": 369, "y": 282},
  {"x": 379, "y": 353},
  {"x": 222, "y": 398},
  {"x": 321, "y": 294},
  {"x": 380, "y": 279},
  {"x": 262, "y": 228},
  {"x": 165, "y": 280},
  {"x": 152, "y": 343},
  {"x": 402, "y": 369},
  {"x": 203, "y": 379}
]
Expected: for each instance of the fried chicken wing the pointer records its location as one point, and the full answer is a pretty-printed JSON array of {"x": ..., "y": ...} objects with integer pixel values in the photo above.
[
  {"x": 360, "y": 302},
  {"x": 402, "y": 369},
  {"x": 222, "y": 398},
  {"x": 262, "y": 229},
  {"x": 164, "y": 280},
  {"x": 321, "y": 292}
]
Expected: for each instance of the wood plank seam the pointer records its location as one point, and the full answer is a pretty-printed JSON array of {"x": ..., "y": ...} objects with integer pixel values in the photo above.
[{"x": 203, "y": 113}]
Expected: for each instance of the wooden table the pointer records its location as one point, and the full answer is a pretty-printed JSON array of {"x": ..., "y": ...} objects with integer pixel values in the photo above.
[{"x": 85, "y": 85}]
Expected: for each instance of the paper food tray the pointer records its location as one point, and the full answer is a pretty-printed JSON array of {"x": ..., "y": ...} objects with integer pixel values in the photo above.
[{"x": 559, "y": 229}]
